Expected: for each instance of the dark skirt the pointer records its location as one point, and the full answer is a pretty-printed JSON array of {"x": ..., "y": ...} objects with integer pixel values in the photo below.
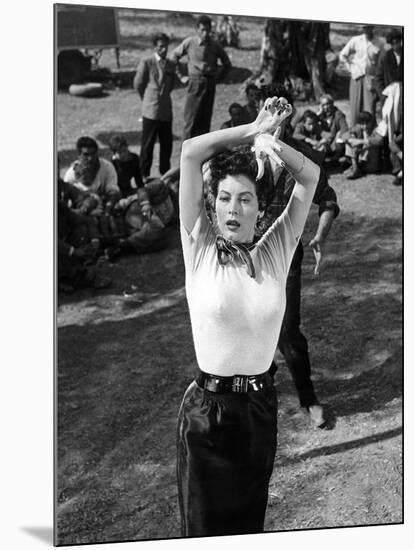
[{"x": 226, "y": 445}]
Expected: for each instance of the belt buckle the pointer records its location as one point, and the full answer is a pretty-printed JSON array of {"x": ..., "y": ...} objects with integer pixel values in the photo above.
[{"x": 240, "y": 384}]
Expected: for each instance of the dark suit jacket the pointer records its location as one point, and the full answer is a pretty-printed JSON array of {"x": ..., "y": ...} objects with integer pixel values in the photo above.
[
  {"x": 154, "y": 87},
  {"x": 387, "y": 70},
  {"x": 338, "y": 125}
]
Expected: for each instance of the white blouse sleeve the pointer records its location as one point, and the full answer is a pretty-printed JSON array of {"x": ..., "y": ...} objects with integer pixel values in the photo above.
[
  {"x": 278, "y": 244},
  {"x": 196, "y": 243}
]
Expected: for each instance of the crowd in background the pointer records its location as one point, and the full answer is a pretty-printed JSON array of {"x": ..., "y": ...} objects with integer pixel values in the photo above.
[{"x": 108, "y": 208}]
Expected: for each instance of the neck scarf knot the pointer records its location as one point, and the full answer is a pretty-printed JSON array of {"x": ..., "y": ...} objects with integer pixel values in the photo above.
[{"x": 228, "y": 251}]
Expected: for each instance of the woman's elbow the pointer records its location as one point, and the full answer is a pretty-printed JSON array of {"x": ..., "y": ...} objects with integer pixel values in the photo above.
[
  {"x": 316, "y": 171},
  {"x": 188, "y": 149}
]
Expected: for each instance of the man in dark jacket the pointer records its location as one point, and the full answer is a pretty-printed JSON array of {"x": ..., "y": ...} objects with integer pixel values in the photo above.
[
  {"x": 333, "y": 125},
  {"x": 390, "y": 62},
  {"x": 292, "y": 343}
]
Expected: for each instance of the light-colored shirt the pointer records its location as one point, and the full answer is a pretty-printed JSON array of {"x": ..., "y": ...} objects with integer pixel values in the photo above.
[
  {"x": 236, "y": 319},
  {"x": 105, "y": 183},
  {"x": 361, "y": 55},
  {"x": 202, "y": 57}
]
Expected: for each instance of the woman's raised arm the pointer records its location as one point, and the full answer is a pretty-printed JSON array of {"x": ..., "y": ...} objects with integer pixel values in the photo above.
[
  {"x": 305, "y": 172},
  {"x": 196, "y": 151}
]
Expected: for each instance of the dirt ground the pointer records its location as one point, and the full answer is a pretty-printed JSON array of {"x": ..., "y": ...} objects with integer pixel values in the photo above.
[{"x": 125, "y": 357}]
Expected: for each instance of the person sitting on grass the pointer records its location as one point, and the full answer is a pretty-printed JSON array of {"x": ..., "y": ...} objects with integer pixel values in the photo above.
[
  {"x": 237, "y": 116},
  {"x": 251, "y": 109},
  {"x": 97, "y": 177},
  {"x": 127, "y": 166},
  {"x": 363, "y": 147},
  {"x": 308, "y": 130},
  {"x": 94, "y": 174},
  {"x": 333, "y": 125},
  {"x": 83, "y": 228},
  {"x": 76, "y": 257}
]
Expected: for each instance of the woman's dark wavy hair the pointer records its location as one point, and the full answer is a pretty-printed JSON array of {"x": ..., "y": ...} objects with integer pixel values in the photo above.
[{"x": 242, "y": 161}]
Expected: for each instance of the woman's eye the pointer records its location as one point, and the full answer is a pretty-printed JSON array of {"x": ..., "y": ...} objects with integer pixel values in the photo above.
[
  {"x": 245, "y": 201},
  {"x": 224, "y": 199}
]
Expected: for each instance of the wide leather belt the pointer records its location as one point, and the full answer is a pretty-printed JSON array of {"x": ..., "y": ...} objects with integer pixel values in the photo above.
[{"x": 234, "y": 384}]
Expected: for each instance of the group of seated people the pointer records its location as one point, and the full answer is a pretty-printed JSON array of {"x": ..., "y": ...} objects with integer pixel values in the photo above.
[
  {"x": 361, "y": 149},
  {"x": 104, "y": 209}
]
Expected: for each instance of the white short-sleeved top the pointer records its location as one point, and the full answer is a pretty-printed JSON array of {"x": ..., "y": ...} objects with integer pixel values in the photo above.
[
  {"x": 105, "y": 182},
  {"x": 236, "y": 319}
]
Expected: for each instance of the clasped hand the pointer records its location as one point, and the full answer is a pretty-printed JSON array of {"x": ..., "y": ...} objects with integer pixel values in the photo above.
[{"x": 268, "y": 123}]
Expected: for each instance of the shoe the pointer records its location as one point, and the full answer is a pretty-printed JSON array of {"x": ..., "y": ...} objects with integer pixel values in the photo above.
[
  {"x": 316, "y": 414},
  {"x": 397, "y": 181},
  {"x": 113, "y": 252},
  {"x": 354, "y": 174}
]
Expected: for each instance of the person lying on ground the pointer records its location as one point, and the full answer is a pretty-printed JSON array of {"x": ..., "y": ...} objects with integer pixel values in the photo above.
[
  {"x": 363, "y": 147},
  {"x": 142, "y": 221}
]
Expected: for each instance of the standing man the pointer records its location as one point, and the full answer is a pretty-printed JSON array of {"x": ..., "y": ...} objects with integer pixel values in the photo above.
[
  {"x": 292, "y": 342},
  {"x": 360, "y": 58},
  {"x": 154, "y": 81},
  {"x": 389, "y": 78},
  {"x": 390, "y": 62},
  {"x": 203, "y": 73}
]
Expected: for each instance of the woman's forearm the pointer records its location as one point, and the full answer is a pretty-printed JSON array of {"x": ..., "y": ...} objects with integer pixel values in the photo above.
[
  {"x": 301, "y": 167},
  {"x": 202, "y": 148}
]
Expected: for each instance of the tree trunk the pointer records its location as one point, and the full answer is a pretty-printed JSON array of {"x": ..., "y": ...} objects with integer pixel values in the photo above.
[
  {"x": 273, "y": 67},
  {"x": 295, "y": 50}
]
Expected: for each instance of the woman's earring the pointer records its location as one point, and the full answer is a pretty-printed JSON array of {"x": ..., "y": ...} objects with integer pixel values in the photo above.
[{"x": 259, "y": 219}]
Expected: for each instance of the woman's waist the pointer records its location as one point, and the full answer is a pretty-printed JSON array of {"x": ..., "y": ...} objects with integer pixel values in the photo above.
[
  {"x": 236, "y": 383},
  {"x": 215, "y": 362}
]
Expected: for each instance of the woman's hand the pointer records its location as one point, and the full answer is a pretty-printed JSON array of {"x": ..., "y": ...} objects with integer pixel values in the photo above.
[
  {"x": 274, "y": 111},
  {"x": 265, "y": 146}
]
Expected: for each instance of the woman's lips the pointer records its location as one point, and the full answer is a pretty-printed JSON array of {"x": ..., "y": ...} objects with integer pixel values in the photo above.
[{"x": 232, "y": 224}]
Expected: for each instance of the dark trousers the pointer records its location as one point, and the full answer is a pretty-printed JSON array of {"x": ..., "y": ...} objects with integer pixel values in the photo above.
[
  {"x": 226, "y": 445},
  {"x": 292, "y": 343},
  {"x": 198, "y": 108},
  {"x": 151, "y": 130}
]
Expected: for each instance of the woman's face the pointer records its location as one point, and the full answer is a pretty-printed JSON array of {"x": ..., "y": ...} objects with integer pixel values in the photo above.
[{"x": 237, "y": 207}]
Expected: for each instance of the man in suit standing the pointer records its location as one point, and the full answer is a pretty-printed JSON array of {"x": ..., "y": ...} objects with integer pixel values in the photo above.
[
  {"x": 203, "y": 73},
  {"x": 154, "y": 81}
]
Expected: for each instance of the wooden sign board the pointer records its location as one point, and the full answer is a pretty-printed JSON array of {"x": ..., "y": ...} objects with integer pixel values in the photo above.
[{"x": 86, "y": 27}]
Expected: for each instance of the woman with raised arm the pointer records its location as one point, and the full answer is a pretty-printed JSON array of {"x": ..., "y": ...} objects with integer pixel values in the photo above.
[{"x": 227, "y": 425}]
